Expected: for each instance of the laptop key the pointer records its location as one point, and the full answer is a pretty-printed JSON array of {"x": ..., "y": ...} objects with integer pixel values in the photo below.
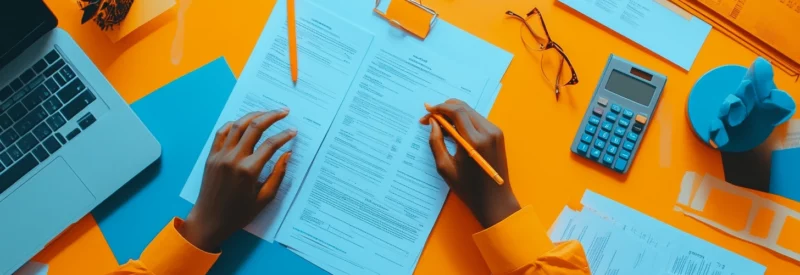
[
  {"x": 53, "y": 68},
  {"x": 37, "y": 96},
  {"x": 9, "y": 137},
  {"x": 51, "y": 85},
  {"x": 71, "y": 90},
  {"x": 17, "y": 171},
  {"x": 73, "y": 108},
  {"x": 27, "y": 76},
  {"x": 61, "y": 138},
  {"x": 14, "y": 152},
  {"x": 86, "y": 121},
  {"x": 40, "y": 153},
  {"x": 51, "y": 144},
  {"x": 39, "y": 66},
  {"x": 5, "y": 121},
  {"x": 33, "y": 118},
  {"x": 27, "y": 142},
  {"x": 74, "y": 133},
  {"x": 6, "y": 159},
  {"x": 52, "y": 104},
  {"x": 15, "y": 84},
  {"x": 67, "y": 73},
  {"x": 17, "y": 112},
  {"x": 42, "y": 131},
  {"x": 60, "y": 80},
  {"x": 5, "y": 93},
  {"x": 56, "y": 121},
  {"x": 52, "y": 56}
]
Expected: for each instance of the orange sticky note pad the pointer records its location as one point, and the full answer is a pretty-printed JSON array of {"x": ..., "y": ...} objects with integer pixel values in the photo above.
[
  {"x": 142, "y": 11},
  {"x": 762, "y": 222},
  {"x": 415, "y": 19},
  {"x": 789, "y": 238},
  {"x": 727, "y": 209}
]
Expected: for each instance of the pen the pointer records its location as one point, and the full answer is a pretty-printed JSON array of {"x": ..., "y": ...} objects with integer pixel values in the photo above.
[
  {"x": 467, "y": 147},
  {"x": 290, "y": 21}
]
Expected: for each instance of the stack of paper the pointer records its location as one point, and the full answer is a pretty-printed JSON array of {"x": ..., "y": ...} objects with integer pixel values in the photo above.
[
  {"x": 620, "y": 240},
  {"x": 361, "y": 193}
]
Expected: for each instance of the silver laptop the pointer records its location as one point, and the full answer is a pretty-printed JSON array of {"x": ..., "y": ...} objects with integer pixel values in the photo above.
[{"x": 67, "y": 139}]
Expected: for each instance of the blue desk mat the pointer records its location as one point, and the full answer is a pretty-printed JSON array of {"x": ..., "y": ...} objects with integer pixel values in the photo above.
[{"x": 181, "y": 115}]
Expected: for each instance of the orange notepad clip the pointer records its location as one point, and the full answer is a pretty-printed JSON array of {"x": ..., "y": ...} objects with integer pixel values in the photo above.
[{"x": 408, "y": 15}]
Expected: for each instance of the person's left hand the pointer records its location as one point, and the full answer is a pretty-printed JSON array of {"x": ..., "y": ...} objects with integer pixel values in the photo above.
[{"x": 231, "y": 195}]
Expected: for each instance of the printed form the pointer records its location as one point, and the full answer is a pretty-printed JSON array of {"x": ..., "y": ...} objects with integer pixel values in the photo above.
[
  {"x": 330, "y": 51},
  {"x": 683, "y": 253},
  {"x": 373, "y": 194}
]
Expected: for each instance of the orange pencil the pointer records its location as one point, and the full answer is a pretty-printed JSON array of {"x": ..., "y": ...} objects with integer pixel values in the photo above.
[
  {"x": 471, "y": 151},
  {"x": 290, "y": 21}
]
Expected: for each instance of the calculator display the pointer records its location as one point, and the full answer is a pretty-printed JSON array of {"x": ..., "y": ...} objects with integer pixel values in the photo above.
[{"x": 631, "y": 88}]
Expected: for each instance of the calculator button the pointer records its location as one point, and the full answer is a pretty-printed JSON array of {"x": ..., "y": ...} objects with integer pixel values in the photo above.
[
  {"x": 595, "y": 153},
  {"x": 633, "y": 137},
  {"x": 602, "y": 101},
  {"x": 608, "y": 159},
  {"x": 616, "y": 141},
  {"x": 624, "y": 122},
  {"x": 607, "y": 126},
  {"x": 626, "y": 155},
  {"x": 598, "y": 111},
  {"x": 619, "y": 131},
  {"x": 594, "y": 120},
  {"x": 583, "y": 148},
  {"x": 604, "y": 135},
  {"x": 611, "y": 150},
  {"x": 637, "y": 128},
  {"x": 586, "y": 138},
  {"x": 620, "y": 165},
  {"x": 591, "y": 129},
  {"x": 611, "y": 117},
  {"x": 599, "y": 144},
  {"x": 615, "y": 108},
  {"x": 627, "y": 114},
  {"x": 641, "y": 119},
  {"x": 627, "y": 146}
]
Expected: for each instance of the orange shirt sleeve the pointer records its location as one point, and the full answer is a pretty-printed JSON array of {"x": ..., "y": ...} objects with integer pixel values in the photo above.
[
  {"x": 519, "y": 245},
  {"x": 170, "y": 253}
]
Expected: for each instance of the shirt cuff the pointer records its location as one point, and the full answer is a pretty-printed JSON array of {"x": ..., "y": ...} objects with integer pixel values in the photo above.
[
  {"x": 514, "y": 242},
  {"x": 171, "y": 253}
]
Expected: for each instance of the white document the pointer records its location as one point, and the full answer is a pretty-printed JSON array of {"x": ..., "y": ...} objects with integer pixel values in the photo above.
[
  {"x": 686, "y": 254},
  {"x": 608, "y": 249},
  {"x": 330, "y": 51},
  {"x": 444, "y": 39},
  {"x": 373, "y": 194}
]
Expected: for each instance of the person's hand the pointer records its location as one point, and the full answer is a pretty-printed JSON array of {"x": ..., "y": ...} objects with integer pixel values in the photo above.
[
  {"x": 488, "y": 201},
  {"x": 231, "y": 195}
]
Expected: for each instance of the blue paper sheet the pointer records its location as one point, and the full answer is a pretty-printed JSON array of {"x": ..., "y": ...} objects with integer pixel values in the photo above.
[
  {"x": 181, "y": 115},
  {"x": 784, "y": 177},
  {"x": 651, "y": 25}
]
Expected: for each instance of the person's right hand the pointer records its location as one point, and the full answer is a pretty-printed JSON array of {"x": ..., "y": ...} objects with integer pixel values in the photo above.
[{"x": 489, "y": 202}]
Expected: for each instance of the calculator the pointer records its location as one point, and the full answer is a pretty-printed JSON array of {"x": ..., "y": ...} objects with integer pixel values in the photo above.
[{"x": 618, "y": 115}]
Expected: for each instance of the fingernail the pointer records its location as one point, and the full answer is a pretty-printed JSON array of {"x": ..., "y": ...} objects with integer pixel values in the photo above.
[
  {"x": 433, "y": 122},
  {"x": 293, "y": 131},
  {"x": 427, "y": 107},
  {"x": 285, "y": 110}
]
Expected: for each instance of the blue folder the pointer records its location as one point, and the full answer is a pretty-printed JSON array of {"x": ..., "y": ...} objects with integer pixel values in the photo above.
[{"x": 181, "y": 115}]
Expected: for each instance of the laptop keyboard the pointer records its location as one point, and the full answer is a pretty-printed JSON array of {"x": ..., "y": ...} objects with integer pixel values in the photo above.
[{"x": 34, "y": 107}]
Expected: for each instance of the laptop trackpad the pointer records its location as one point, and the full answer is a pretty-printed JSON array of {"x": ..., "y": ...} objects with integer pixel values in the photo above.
[{"x": 40, "y": 209}]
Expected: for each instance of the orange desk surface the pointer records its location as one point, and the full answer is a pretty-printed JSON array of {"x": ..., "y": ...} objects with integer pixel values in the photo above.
[{"x": 539, "y": 130}]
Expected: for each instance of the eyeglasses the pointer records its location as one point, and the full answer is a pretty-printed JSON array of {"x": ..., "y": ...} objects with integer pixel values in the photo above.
[{"x": 555, "y": 64}]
